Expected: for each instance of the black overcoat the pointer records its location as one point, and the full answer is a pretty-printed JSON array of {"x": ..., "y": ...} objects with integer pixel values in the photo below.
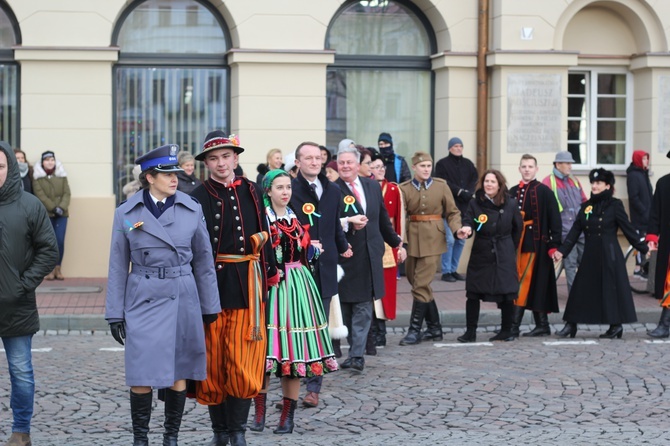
[
  {"x": 363, "y": 272},
  {"x": 492, "y": 266},
  {"x": 326, "y": 228},
  {"x": 640, "y": 196},
  {"x": 659, "y": 225},
  {"x": 543, "y": 234},
  {"x": 601, "y": 291}
]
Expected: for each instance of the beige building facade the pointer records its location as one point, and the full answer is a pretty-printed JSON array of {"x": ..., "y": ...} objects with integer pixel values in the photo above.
[{"x": 97, "y": 82}]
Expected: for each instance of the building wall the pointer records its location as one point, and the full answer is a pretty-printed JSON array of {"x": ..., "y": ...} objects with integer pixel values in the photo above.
[{"x": 278, "y": 81}]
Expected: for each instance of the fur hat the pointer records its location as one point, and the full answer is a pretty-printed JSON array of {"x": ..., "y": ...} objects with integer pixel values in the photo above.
[{"x": 603, "y": 175}]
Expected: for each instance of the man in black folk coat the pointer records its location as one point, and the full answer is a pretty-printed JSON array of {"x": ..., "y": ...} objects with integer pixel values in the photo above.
[
  {"x": 658, "y": 237},
  {"x": 368, "y": 228},
  {"x": 318, "y": 203},
  {"x": 541, "y": 237}
]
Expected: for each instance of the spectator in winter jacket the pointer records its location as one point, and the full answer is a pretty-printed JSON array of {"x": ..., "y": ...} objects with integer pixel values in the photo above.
[
  {"x": 640, "y": 195},
  {"x": 28, "y": 251},
  {"x": 397, "y": 170},
  {"x": 461, "y": 177},
  {"x": 25, "y": 169},
  {"x": 50, "y": 185}
]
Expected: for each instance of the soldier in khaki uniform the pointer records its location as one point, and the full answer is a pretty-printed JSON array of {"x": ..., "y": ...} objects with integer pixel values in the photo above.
[{"x": 428, "y": 201}]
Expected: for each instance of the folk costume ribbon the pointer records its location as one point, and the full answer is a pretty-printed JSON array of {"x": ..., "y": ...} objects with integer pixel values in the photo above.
[{"x": 255, "y": 281}]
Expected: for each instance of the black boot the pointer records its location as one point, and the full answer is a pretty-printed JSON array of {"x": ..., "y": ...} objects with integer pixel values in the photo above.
[
  {"x": 380, "y": 341},
  {"x": 471, "y": 320},
  {"x": 615, "y": 331},
  {"x": 237, "y": 413},
  {"x": 286, "y": 418},
  {"x": 370, "y": 344},
  {"x": 506, "y": 308},
  {"x": 517, "y": 317},
  {"x": 219, "y": 424},
  {"x": 260, "y": 402},
  {"x": 174, "y": 409},
  {"x": 662, "y": 330},
  {"x": 541, "y": 325},
  {"x": 337, "y": 349},
  {"x": 570, "y": 329},
  {"x": 433, "y": 326},
  {"x": 415, "y": 321},
  {"x": 140, "y": 412}
]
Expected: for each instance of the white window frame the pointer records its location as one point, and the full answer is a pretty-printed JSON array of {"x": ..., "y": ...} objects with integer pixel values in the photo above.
[{"x": 591, "y": 94}]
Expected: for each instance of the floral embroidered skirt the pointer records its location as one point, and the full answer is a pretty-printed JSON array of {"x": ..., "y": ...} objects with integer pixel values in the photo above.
[{"x": 299, "y": 344}]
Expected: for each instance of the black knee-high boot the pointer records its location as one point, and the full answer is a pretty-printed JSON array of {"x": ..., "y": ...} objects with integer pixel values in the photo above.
[
  {"x": 433, "y": 330},
  {"x": 140, "y": 412},
  {"x": 507, "y": 310},
  {"x": 472, "y": 307},
  {"x": 380, "y": 341},
  {"x": 174, "y": 409},
  {"x": 662, "y": 330},
  {"x": 517, "y": 317},
  {"x": 541, "y": 325},
  {"x": 237, "y": 412},
  {"x": 415, "y": 322},
  {"x": 217, "y": 414}
]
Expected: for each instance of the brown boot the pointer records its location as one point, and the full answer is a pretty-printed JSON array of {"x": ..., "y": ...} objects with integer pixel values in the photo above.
[
  {"x": 51, "y": 275},
  {"x": 19, "y": 439},
  {"x": 57, "y": 274}
]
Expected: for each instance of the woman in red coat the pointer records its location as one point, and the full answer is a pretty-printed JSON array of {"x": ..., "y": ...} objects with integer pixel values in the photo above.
[{"x": 385, "y": 309}]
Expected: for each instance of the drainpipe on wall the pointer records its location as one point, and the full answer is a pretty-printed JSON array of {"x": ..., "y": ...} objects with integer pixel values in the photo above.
[{"x": 482, "y": 86}]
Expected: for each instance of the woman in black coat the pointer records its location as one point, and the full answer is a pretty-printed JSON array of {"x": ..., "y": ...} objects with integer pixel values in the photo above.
[
  {"x": 601, "y": 292},
  {"x": 492, "y": 274}
]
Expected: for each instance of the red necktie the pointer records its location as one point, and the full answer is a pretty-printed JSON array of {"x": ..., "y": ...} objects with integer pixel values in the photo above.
[{"x": 352, "y": 185}]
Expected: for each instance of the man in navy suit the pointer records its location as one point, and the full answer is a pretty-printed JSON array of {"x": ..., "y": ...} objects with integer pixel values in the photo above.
[
  {"x": 311, "y": 187},
  {"x": 368, "y": 227}
]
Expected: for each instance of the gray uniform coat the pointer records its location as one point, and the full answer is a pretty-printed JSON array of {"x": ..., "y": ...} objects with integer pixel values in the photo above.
[{"x": 165, "y": 338}]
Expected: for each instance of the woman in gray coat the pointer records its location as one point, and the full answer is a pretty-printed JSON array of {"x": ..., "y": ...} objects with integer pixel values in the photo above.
[{"x": 162, "y": 286}]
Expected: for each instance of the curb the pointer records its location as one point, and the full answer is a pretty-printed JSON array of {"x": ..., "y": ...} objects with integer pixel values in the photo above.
[{"x": 453, "y": 319}]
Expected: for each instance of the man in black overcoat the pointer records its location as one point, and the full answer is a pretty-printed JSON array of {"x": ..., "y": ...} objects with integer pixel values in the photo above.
[
  {"x": 541, "y": 236},
  {"x": 658, "y": 237},
  {"x": 317, "y": 202},
  {"x": 368, "y": 227}
]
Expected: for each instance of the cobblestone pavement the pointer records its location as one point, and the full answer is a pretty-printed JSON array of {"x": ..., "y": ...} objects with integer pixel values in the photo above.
[{"x": 585, "y": 391}]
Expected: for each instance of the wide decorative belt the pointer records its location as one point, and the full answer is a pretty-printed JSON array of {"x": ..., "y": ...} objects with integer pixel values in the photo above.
[
  {"x": 425, "y": 217},
  {"x": 168, "y": 272},
  {"x": 255, "y": 281}
]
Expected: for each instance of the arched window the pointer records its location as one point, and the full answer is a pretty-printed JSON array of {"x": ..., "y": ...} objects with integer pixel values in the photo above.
[
  {"x": 381, "y": 80},
  {"x": 10, "y": 36},
  {"x": 171, "y": 81}
]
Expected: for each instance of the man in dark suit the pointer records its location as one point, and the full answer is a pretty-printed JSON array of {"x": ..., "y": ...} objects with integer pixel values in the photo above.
[
  {"x": 368, "y": 227},
  {"x": 311, "y": 187}
]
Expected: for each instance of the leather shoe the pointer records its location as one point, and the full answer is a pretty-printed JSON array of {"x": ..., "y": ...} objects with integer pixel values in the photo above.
[
  {"x": 346, "y": 364},
  {"x": 311, "y": 399},
  {"x": 457, "y": 276},
  {"x": 448, "y": 277},
  {"x": 358, "y": 364}
]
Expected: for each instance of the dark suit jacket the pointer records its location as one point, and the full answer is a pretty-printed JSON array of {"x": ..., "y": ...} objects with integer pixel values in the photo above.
[
  {"x": 326, "y": 229},
  {"x": 363, "y": 272}
]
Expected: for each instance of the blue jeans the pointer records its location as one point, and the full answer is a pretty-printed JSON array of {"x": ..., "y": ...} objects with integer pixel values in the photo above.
[
  {"x": 60, "y": 225},
  {"x": 21, "y": 376},
  {"x": 451, "y": 258}
]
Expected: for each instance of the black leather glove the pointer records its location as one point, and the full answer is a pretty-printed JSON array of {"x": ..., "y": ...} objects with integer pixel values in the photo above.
[
  {"x": 58, "y": 211},
  {"x": 209, "y": 318},
  {"x": 465, "y": 194},
  {"x": 118, "y": 330}
]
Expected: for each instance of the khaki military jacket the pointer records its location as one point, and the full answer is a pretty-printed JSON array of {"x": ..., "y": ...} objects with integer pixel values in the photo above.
[{"x": 428, "y": 238}]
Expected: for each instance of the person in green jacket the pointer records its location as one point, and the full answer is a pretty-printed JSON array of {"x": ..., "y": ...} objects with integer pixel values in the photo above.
[{"x": 51, "y": 187}]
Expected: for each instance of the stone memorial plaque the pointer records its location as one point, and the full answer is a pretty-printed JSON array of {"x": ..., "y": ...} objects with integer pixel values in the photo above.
[{"x": 534, "y": 113}]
